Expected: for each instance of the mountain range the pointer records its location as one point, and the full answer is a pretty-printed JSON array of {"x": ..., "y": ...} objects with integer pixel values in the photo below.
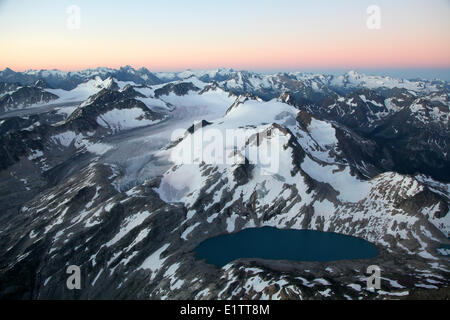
[{"x": 91, "y": 175}]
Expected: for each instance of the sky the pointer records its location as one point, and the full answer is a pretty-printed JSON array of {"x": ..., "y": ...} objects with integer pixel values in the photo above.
[{"x": 260, "y": 35}]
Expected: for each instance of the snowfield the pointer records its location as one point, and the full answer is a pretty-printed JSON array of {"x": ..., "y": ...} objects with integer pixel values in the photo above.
[
  {"x": 124, "y": 119},
  {"x": 83, "y": 91}
]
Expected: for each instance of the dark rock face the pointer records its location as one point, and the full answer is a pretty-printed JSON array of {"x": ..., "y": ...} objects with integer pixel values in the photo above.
[
  {"x": 41, "y": 84},
  {"x": 358, "y": 110},
  {"x": 141, "y": 76},
  {"x": 180, "y": 89},
  {"x": 415, "y": 134},
  {"x": 221, "y": 75},
  {"x": 287, "y": 98},
  {"x": 130, "y": 93},
  {"x": 6, "y": 87},
  {"x": 23, "y": 97},
  {"x": 243, "y": 78},
  {"x": 198, "y": 126},
  {"x": 52, "y": 80},
  {"x": 243, "y": 173},
  {"x": 426, "y": 198},
  {"x": 16, "y": 144},
  {"x": 84, "y": 118},
  {"x": 11, "y": 76},
  {"x": 16, "y": 123}
]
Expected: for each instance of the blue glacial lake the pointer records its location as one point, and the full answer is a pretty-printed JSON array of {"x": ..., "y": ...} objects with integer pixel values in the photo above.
[{"x": 276, "y": 244}]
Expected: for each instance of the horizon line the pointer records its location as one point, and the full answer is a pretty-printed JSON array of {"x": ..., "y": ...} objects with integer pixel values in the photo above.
[
  {"x": 21, "y": 69},
  {"x": 369, "y": 71}
]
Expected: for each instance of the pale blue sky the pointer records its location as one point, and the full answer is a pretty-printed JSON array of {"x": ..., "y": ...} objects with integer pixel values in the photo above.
[{"x": 246, "y": 34}]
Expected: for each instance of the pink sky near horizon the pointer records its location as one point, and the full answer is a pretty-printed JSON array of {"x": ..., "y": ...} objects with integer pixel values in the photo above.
[
  {"x": 418, "y": 39},
  {"x": 363, "y": 55}
]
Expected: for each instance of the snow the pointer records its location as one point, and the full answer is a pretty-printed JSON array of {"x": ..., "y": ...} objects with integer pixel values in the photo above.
[
  {"x": 65, "y": 138},
  {"x": 176, "y": 285},
  {"x": 213, "y": 102},
  {"x": 185, "y": 181},
  {"x": 123, "y": 84},
  {"x": 66, "y": 111},
  {"x": 212, "y": 217},
  {"x": 203, "y": 293},
  {"x": 425, "y": 286},
  {"x": 390, "y": 105},
  {"x": 231, "y": 223},
  {"x": 47, "y": 280},
  {"x": 363, "y": 98},
  {"x": 349, "y": 187},
  {"x": 393, "y": 283},
  {"x": 146, "y": 91},
  {"x": 128, "y": 259},
  {"x": 170, "y": 76},
  {"x": 189, "y": 230},
  {"x": 254, "y": 112},
  {"x": 444, "y": 252},
  {"x": 124, "y": 119},
  {"x": 171, "y": 270},
  {"x": 129, "y": 224},
  {"x": 141, "y": 236},
  {"x": 355, "y": 286},
  {"x": 154, "y": 104},
  {"x": 397, "y": 294},
  {"x": 35, "y": 154},
  {"x": 226, "y": 134},
  {"x": 324, "y": 209},
  {"x": 326, "y": 293},
  {"x": 82, "y": 91},
  {"x": 154, "y": 262},
  {"x": 96, "y": 278},
  {"x": 256, "y": 283},
  {"x": 176, "y": 185},
  {"x": 97, "y": 148},
  {"x": 322, "y": 281},
  {"x": 354, "y": 79},
  {"x": 79, "y": 141},
  {"x": 322, "y": 132}
]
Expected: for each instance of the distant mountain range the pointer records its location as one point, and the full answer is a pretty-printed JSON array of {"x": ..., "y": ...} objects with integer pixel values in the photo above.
[{"x": 68, "y": 80}]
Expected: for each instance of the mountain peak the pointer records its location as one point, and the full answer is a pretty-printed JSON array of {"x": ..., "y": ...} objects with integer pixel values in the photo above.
[
  {"x": 353, "y": 74},
  {"x": 144, "y": 69},
  {"x": 127, "y": 68},
  {"x": 8, "y": 70}
]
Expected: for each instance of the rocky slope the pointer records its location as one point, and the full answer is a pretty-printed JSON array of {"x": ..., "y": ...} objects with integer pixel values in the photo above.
[{"x": 14, "y": 96}]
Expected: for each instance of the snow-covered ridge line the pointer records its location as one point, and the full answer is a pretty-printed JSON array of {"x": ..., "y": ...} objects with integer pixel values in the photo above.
[{"x": 260, "y": 79}]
